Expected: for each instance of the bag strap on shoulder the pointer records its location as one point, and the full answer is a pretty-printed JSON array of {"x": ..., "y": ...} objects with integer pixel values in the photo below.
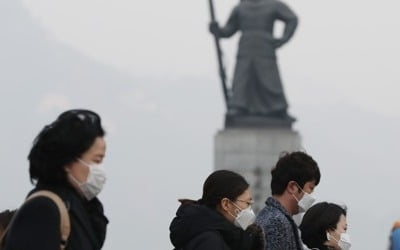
[{"x": 65, "y": 224}]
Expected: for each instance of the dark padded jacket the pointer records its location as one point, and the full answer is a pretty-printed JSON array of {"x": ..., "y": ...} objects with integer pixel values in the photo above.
[{"x": 197, "y": 227}]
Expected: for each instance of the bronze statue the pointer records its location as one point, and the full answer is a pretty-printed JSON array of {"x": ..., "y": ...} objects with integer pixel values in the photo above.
[{"x": 257, "y": 89}]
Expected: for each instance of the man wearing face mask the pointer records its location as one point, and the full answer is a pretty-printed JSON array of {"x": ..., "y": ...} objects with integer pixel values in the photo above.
[
  {"x": 294, "y": 178},
  {"x": 65, "y": 159}
]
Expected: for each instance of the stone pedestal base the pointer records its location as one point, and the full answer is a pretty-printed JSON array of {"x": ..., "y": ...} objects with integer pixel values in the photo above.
[
  {"x": 253, "y": 152},
  {"x": 258, "y": 122}
]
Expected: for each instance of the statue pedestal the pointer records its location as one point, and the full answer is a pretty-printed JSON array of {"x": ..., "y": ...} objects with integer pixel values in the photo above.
[
  {"x": 249, "y": 121},
  {"x": 253, "y": 152}
]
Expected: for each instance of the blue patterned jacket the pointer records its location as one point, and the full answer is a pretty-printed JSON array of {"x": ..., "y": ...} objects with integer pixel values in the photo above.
[{"x": 281, "y": 232}]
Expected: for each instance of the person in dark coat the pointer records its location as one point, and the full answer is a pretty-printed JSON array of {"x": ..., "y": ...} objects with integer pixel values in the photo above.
[
  {"x": 65, "y": 159},
  {"x": 221, "y": 220}
]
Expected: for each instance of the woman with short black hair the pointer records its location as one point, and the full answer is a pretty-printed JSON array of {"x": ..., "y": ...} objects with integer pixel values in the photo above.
[
  {"x": 65, "y": 159},
  {"x": 324, "y": 227},
  {"x": 221, "y": 220}
]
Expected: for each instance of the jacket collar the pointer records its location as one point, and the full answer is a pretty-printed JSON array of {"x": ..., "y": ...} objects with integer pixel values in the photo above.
[{"x": 276, "y": 204}]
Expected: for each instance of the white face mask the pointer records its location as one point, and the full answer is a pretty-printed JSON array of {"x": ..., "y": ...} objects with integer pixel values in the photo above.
[
  {"x": 344, "y": 242},
  {"x": 244, "y": 218},
  {"x": 306, "y": 202},
  {"x": 94, "y": 182}
]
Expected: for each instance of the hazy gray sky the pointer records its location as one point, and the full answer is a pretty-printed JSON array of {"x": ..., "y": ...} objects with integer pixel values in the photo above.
[
  {"x": 163, "y": 104},
  {"x": 345, "y": 45}
]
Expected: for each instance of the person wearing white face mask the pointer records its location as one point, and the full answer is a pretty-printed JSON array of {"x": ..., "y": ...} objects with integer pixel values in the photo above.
[
  {"x": 221, "y": 220},
  {"x": 324, "y": 227},
  {"x": 64, "y": 160},
  {"x": 92, "y": 185},
  {"x": 294, "y": 178}
]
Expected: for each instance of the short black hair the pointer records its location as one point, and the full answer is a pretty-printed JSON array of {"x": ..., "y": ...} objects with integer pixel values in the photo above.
[
  {"x": 317, "y": 221},
  {"x": 295, "y": 166},
  {"x": 222, "y": 184},
  {"x": 62, "y": 142}
]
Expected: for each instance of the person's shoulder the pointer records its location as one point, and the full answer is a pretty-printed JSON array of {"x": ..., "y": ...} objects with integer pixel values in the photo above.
[
  {"x": 283, "y": 8},
  {"x": 278, "y": 3},
  {"x": 396, "y": 232},
  {"x": 280, "y": 6},
  {"x": 37, "y": 222},
  {"x": 271, "y": 210},
  {"x": 270, "y": 216},
  {"x": 34, "y": 215},
  {"x": 39, "y": 206}
]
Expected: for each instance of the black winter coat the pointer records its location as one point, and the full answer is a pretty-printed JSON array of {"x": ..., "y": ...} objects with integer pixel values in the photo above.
[
  {"x": 197, "y": 227},
  {"x": 37, "y": 223}
]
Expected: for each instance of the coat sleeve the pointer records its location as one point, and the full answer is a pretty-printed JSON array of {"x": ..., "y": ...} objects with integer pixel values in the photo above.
[
  {"x": 207, "y": 241},
  {"x": 36, "y": 226}
]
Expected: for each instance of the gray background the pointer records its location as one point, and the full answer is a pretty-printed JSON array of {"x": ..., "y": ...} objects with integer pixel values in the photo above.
[{"x": 137, "y": 62}]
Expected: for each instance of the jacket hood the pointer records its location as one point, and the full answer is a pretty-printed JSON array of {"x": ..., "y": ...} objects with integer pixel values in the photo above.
[{"x": 193, "y": 219}]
